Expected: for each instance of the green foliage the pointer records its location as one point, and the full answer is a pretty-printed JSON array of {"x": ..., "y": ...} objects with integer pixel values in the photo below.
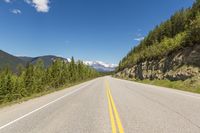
[
  {"x": 190, "y": 85},
  {"x": 182, "y": 29},
  {"x": 9, "y": 60},
  {"x": 193, "y": 35},
  {"x": 36, "y": 78}
]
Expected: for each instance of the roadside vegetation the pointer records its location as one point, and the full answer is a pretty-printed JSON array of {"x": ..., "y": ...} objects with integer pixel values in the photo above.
[
  {"x": 189, "y": 85},
  {"x": 34, "y": 80},
  {"x": 181, "y": 30}
]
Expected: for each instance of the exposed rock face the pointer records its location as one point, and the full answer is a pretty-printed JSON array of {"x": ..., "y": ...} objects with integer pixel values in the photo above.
[{"x": 179, "y": 65}]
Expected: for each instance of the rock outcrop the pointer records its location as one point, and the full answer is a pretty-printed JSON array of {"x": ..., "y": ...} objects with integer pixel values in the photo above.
[{"x": 178, "y": 65}]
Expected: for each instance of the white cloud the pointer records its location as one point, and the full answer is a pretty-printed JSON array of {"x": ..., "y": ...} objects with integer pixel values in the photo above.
[
  {"x": 16, "y": 11},
  {"x": 139, "y": 38},
  {"x": 7, "y": 1},
  {"x": 40, "y": 5}
]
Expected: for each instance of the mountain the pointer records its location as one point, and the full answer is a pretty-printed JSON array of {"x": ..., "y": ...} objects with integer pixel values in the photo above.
[
  {"x": 13, "y": 61},
  {"x": 26, "y": 59},
  {"x": 101, "y": 66},
  {"x": 10, "y": 60},
  {"x": 48, "y": 59}
]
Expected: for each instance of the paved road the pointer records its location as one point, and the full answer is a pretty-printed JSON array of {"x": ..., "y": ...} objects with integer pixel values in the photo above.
[{"x": 106, "y": 105}]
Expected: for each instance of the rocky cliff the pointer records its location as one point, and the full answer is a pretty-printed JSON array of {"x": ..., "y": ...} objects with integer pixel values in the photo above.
[{"x": 182, "y": 64}]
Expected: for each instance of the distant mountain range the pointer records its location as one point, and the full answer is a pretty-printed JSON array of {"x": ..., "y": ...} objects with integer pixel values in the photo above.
[
  {"x": 101, "y": 66},
  {"x": 12, "y": 61}
]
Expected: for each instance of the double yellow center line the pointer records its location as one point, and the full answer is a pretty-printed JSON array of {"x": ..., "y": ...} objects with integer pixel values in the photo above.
[{"x": 114, "y": 115}]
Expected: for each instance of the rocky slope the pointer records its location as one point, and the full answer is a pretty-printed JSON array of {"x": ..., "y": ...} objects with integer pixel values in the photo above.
[
  {"x": 170, "y": 51},
  {"x": 182, "y": 64}
]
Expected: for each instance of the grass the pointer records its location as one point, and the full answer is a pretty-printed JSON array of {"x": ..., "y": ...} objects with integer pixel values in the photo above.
[
  {"x": 41, "y": 94},
  {"x": 180, "y": 85},
  {"x": 190, "y": 85}
]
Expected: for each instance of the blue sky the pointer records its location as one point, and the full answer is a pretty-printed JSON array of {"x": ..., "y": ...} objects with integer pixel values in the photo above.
[{"x": 86, "y": 29}]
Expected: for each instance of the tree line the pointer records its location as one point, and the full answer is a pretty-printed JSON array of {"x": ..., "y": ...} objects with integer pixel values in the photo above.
[
  {"x": 34, "y": 79},
  {"x": 181, "y": 30}
]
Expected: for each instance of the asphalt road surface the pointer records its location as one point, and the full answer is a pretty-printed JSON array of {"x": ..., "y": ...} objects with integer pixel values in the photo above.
[{"x": 106, "y": 105}]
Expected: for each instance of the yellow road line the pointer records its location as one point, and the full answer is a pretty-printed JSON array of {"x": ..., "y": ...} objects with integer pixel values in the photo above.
[
  {"x": 113, "y": 109},
  {"x": 119, "y": 124},
  {"x": 112, "y": 120}
]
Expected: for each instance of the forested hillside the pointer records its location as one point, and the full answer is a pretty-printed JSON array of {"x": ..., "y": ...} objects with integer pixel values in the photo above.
[
  {"x": 8, "y": 60},
  {"x": 47, "y": 59},
  {"x": 169, "y": 55},
  {"x": 34, "y": 79},
  {"x": 181, "y": 30}
]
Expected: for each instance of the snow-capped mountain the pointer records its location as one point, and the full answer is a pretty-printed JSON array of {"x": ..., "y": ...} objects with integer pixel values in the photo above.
[
  {"x": 101, "y": 66},
  {"x": 68, "y": 59}
]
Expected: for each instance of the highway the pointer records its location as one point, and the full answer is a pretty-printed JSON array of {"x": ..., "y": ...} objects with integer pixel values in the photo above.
[{"x": 106, "y": 105}]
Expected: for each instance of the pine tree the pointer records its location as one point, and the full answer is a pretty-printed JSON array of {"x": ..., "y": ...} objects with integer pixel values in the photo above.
[
  {"x": 29, "y": 79},
  {"x": 36, "y": 78}
]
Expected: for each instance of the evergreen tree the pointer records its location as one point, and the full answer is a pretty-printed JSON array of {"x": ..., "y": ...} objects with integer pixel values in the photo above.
[
  {"x": 181, "y": 30},
  {"x": 36, "y": 78}
]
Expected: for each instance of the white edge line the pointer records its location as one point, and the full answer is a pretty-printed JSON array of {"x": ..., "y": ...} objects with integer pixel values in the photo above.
[
  {"x": 187, "y": 95},
  {"x": 26, "y": 115},
  {"x": 170, "y": 90}
]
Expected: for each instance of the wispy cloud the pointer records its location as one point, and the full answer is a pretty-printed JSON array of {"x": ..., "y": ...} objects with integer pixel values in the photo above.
[
  {"x": 7, "y": 1},
  {"x": 16, "y": 11},
  {"x": 139, "y": 38},
  {"x": 27, "y": 1},
  {"x": 40, "y": 5}
]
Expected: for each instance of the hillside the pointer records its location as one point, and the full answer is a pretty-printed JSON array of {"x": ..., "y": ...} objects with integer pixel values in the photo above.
[
  {"x": 8, "y": 60},
  {"x": 171, "y": 51},
  {"x": 48, "y": 59},
  {"x": 11, "y": 61},
  {"x": 37, "y": 80}
]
